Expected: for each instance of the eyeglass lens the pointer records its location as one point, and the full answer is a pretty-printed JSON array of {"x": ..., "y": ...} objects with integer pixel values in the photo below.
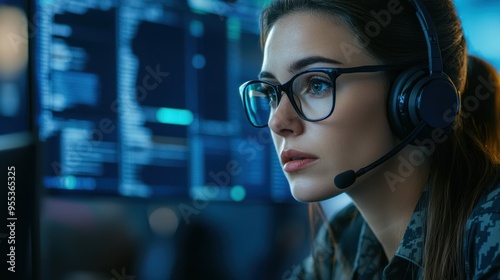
[{"x": 313, "y": 97}]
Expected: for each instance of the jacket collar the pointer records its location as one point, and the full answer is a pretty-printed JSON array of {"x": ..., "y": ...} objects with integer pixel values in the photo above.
[{"x": 370, "y": 261}]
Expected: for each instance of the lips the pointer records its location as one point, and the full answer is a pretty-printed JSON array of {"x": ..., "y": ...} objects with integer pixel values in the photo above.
[{"x": 294, "y": 160}]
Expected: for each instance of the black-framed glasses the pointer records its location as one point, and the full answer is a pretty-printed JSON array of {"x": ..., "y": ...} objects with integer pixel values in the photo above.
[{"x": 311, "y": 93}]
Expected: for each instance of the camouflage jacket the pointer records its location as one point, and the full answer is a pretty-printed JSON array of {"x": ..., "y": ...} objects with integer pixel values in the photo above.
[{"x": 359, "y": 255}]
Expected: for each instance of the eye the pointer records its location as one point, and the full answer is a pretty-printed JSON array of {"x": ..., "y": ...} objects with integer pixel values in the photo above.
[{"x": 318, "y": 86}]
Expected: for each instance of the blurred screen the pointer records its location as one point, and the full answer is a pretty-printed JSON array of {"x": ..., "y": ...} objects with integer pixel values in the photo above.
[
  {"x": 140, "y": 99},
  {"x": 14, "y": 98}
]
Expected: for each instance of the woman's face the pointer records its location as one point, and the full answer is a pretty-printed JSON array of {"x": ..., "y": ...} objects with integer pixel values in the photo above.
[{"x": 355, "y": 134}]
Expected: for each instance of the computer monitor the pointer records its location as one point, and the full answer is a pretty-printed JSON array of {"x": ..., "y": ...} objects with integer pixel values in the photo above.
[{"x": 140, "y": 99}]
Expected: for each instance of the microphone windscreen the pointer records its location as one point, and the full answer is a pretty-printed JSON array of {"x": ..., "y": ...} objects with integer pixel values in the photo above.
[{"x": 345, "y": 179}]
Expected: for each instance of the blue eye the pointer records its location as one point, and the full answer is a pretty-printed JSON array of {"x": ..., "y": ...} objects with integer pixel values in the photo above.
[{"x": 318, "y": 86}]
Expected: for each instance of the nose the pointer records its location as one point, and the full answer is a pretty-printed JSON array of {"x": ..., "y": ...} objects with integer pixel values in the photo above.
[{"x": 285, "y": 121}]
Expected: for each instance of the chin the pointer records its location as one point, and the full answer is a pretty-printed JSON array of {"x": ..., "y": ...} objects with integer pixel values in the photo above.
[{"x": 313, "y": 192}]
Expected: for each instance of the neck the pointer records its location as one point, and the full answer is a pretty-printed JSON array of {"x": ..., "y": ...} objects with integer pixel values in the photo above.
[{"x": 388, "y": 198}]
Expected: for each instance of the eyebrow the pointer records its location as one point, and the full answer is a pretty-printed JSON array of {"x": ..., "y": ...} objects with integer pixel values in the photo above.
[
  {"x": 304, "y": 62},
  {"x": 300, "y": 64}
]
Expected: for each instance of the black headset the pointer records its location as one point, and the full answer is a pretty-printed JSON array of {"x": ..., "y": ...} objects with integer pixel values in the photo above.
[
  {"x": 423, "y": 93},
  {"x": 422, "y": 99}
]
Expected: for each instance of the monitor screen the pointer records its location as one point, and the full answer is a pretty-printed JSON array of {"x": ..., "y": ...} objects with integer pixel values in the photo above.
[{"x": 140, "y": 99}]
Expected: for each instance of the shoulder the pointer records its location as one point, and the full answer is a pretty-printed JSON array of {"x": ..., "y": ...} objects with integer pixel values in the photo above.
[{"x": 482, "y": 246}]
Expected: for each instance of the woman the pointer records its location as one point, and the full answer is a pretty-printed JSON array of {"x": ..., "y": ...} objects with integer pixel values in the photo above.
[{"x": 330, "y": 91}]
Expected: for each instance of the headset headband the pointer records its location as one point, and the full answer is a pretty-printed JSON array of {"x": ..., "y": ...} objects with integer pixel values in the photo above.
[{"x": 434, "y": 52}]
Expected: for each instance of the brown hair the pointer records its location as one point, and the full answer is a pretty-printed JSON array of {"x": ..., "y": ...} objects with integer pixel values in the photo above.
[
  {"x": 481, "y": 103},
  {"x": 462, "y": 166}
]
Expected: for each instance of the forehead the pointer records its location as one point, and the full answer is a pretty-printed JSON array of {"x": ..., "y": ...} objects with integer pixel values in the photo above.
[{"x": 305, "y": 34}]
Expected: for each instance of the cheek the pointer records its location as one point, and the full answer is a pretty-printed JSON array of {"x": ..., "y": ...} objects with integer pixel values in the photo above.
[
  {"x": 363, "y": 107},
  {"x": 363, "y": 132}
]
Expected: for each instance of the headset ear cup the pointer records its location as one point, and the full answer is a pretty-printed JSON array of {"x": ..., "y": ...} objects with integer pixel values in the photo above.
[
  {"x": 402, "y": 87},
  {"x": 435, "y": 101},
  {"x": 417, "y": 97}
]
